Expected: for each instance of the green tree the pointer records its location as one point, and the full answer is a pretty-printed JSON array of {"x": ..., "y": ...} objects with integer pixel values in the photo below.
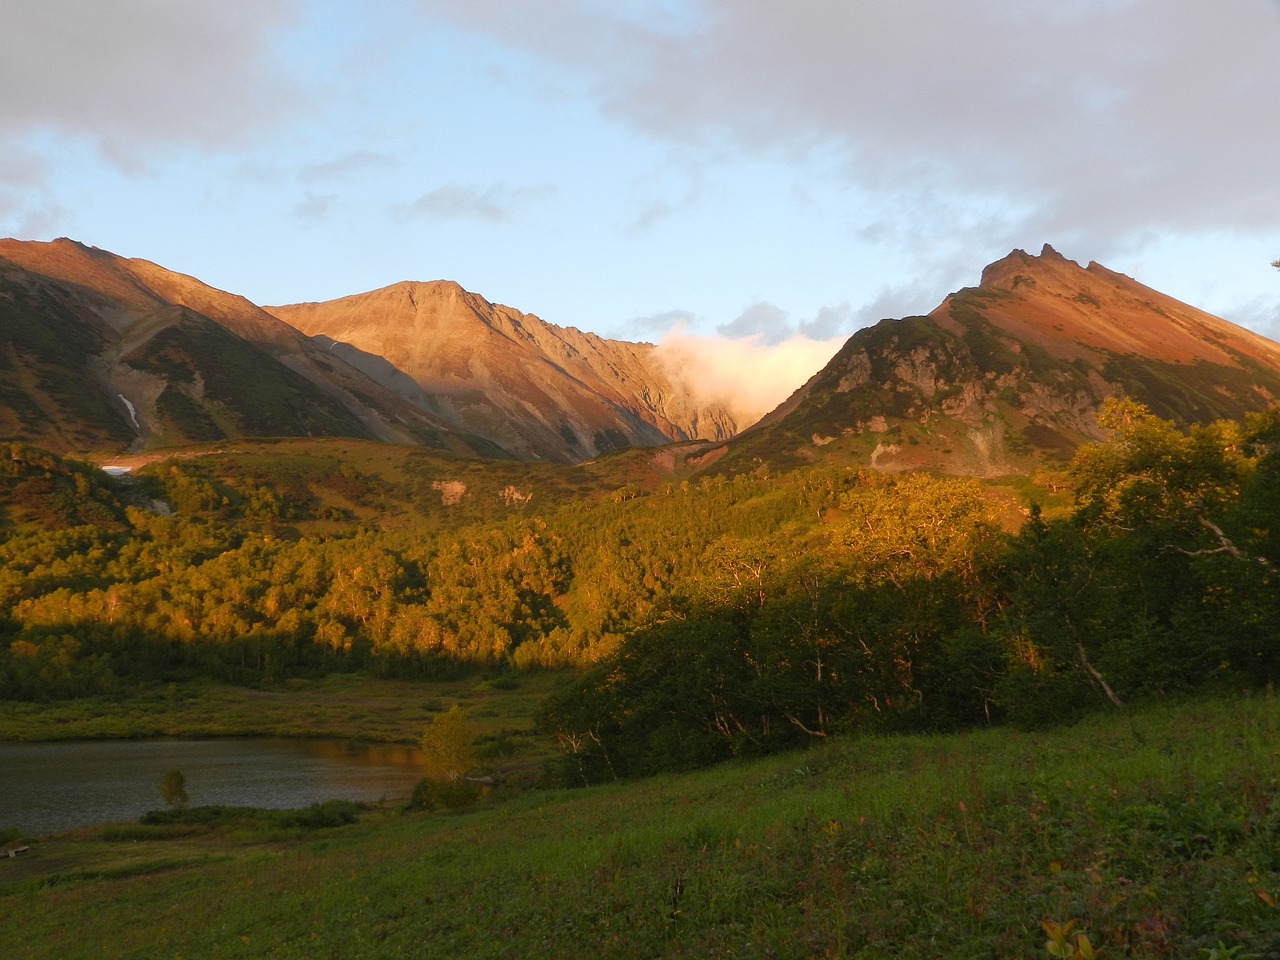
[
  {"x": 448, "y": 745},
  {"x": 173, "y": 789},
  {"x": 1160, "y": 580}
]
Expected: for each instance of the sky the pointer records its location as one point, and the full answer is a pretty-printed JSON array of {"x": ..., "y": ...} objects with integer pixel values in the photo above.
[{"x": 749, "y": 179}]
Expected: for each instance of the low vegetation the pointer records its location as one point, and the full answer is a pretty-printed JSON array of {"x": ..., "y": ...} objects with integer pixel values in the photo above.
[{"x": 1151, "y": 832}]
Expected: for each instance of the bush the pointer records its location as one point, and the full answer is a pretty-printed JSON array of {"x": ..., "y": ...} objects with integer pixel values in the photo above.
[
  {"x": 173, "y": 789},
  {"x": 1038, "y": 700},
  {"x": 319, "y": 816},
  {"x": 433, "y": 793}
]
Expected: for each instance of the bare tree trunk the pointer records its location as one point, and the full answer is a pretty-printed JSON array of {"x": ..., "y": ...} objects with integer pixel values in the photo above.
[{"x": 1089, "y": 669}]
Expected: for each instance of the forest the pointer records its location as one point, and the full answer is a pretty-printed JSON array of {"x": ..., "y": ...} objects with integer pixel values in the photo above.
[{"x": 703, "y": 618}]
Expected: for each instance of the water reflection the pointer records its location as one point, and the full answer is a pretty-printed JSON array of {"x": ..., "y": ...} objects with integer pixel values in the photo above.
[{"x": 48, "y": 787}]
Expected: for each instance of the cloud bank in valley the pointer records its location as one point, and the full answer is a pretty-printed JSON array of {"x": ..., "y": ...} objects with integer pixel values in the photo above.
[{"x": 747, "y": 375}]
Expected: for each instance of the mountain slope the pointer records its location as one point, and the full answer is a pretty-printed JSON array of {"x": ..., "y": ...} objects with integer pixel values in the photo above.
[
  {"x": 539, "y": 390},
  {"x": 1010, "y": 374},
  {"x": 102, "y": 352}
]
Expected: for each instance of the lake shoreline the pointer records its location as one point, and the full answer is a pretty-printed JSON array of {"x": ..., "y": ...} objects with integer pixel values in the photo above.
[{"x": 56, "y": 786}]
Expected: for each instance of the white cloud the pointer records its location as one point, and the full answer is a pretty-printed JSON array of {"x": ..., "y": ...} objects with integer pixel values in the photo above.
[
  {"x": 746, "y": 375},
  {"x": 127, "y": 72},
  {"x": 830, "y": 322},
  {"x": 131, "y": 79},
  {"x": 763, "y": 321},
  {"x": 768, "y": 325},
  {"x": 1098, "y": 122}
]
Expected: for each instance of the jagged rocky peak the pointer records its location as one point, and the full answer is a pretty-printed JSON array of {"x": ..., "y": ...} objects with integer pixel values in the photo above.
[
  {"x": 1012, "y": 372},
  {"x": 1002, "y": 273}
]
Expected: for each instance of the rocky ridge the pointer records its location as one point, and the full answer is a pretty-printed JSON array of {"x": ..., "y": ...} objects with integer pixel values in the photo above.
[
  {"x": 1011, "y": 373},
  {"x": 539, "y": 390},
  {"x": 101, "y": 352}
]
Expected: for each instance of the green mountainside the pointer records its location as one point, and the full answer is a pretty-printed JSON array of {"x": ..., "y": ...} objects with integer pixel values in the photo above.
[{"x": 713, "y": 615}]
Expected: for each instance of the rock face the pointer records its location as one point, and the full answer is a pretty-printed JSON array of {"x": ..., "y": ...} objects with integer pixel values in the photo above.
[
  {"x": 99, "y": 352},
  {"x": 1009, "y": 374},
  {"x": 538, "y": 390}
]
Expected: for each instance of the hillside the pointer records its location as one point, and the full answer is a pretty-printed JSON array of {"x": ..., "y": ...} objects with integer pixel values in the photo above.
[
  {"x": 105, "y": 353},
  {"x": 538, "y": 390},
  {"x": 1151, "y": 833},
  {"x": 1006, "y": 376}
]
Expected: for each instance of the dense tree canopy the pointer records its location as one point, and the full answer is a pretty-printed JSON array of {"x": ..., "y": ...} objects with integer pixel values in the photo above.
[{"x": 709, "y": 617}]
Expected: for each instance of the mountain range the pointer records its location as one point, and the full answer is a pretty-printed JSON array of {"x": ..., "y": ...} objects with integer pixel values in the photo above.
[{"x": 107, "y": 354}]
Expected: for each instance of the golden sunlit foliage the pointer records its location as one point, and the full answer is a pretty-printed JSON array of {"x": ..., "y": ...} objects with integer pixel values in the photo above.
[{"x": 712, "y": 616}]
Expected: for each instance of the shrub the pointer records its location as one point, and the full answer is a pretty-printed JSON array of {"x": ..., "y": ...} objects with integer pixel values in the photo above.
[{"x": 433, "y": 793}]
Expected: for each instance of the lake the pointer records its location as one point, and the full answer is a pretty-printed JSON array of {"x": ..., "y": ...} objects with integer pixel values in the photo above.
[{"x": 50, "y": 787}]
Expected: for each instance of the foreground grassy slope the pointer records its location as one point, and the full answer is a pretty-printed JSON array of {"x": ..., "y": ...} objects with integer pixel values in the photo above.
[{"x": 1157, "y": 831}]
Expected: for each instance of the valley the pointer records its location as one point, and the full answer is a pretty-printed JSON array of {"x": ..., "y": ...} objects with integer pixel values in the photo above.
[{"x": 978, "y": 543}]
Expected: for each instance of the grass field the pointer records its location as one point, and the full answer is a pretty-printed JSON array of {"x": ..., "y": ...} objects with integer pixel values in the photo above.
[
  {"x": 1155, "y": 832},
  {"x": 337, "y": 706}
]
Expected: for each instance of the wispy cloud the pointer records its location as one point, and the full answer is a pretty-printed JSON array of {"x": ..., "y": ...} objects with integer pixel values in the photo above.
[
  {"x": 344, "y": 167},
  {"x": 314, "y": 207},
  {"x": 456, "y": 201},
  {"x": 764, "y": 321},
  {"x": 767, "y": 325},
  {"x": 658, "y": 324}
]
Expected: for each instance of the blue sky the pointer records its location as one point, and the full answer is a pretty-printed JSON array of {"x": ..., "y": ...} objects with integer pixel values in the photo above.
[{"x": 738, "y": 168}]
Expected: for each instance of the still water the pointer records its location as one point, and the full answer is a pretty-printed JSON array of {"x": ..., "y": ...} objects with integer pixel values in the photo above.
[{"x": 49, "y": 787}]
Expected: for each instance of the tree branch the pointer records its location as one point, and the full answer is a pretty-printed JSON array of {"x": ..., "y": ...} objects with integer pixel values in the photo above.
[
  {"x": 1224, "y": 545},
  {"x": 798, "y": 723}
]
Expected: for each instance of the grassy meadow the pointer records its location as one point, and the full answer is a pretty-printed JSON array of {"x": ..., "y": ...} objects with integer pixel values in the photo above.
[
  {"x": 337, "y": 706},
  {"x": 1153, "y": 832}
]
